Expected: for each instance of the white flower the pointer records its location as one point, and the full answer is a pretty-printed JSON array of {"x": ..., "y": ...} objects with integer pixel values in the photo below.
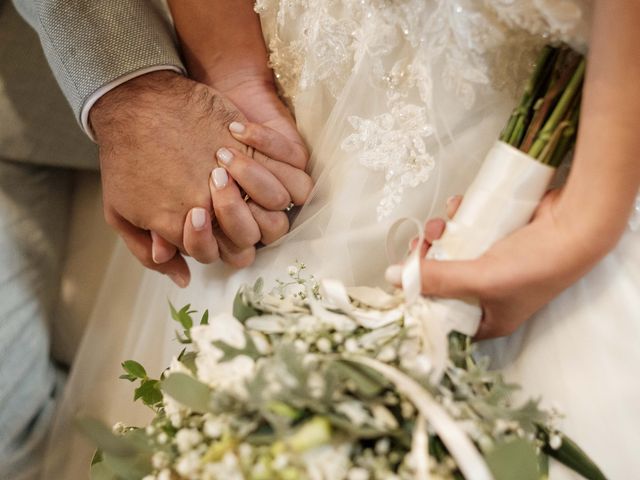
[
  {"x": 225, "y": 328},
  {"x": 555, "y": 441},
  {"x": 292, "y": 270},
  {"x": 351, "y": 345},
  {"x": 189, "y": 465},
  {"x": 213, "y": 428},
  {"x": 358, "y": 473},
  {"x": 163, "y": 438},
  {"x": 324, "y": 345},
  {"x": 354, "y": 411},
  {"x": 164, "y": 475},
  {"x": 229, "y": 376},
  {"x": 160, "y": 460},
  {"x": 150, "y": 430},
  {"x": 383, "y": 417},
  {"x": 327, "y": 461},
  {"x": 119, "y": 428},
  {"x": 383, "y": 446},
  {"x": 149, "y": 477},
  {"x": 187, "y": 438}
]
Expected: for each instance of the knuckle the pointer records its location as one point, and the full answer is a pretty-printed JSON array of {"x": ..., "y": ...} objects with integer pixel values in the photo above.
[
  {"x": 241, "y": 259},
  {"x": 275, "y": 227}
]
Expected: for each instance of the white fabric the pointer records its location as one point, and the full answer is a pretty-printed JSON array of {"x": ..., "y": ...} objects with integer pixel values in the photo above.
[{"x": 399, "y": 102}]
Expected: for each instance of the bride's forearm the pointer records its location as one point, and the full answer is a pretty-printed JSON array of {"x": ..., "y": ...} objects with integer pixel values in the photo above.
[
  {"x": 221, "y": 40},
  {"x": 606, "y": 173}
]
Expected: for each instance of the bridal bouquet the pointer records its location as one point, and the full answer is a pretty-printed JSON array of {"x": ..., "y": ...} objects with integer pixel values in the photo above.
[{"x": 311, "y": 380}]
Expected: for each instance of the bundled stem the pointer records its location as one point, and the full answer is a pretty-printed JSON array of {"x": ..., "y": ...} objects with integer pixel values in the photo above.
[{"x": 544, "y": 124}]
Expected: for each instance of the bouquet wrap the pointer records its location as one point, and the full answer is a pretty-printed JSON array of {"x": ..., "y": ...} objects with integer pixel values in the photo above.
[{"x": 502, "y": 198}]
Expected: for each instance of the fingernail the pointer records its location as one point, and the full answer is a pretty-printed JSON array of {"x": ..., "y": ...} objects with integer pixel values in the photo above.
[
  {"x": 178, "y": 279},
  {"x": 393, "y": 274},
  {"x": 236, "y": 127},
  {"x": 219, "y": 177},
  {"x": 450, "y": 200},
  {"x": 198, "y": 218},
  {"x": 154, "y": 252},
  {"x": 224, "y": 155}
]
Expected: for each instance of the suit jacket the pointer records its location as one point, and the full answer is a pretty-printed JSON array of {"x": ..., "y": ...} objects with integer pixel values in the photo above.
[
  {"x": 90, "y": 43},
  {"x": 36, "y": 123}
]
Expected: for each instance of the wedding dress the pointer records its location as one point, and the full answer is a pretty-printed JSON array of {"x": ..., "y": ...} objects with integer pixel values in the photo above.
[{"x": 399, "y": 101}]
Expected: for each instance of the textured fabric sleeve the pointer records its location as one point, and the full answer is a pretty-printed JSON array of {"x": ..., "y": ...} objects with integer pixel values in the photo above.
[{"x": 90, "y": 44}]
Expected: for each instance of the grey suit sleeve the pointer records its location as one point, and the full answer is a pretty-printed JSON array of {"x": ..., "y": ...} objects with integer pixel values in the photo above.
[{"x": 92, "y": 43}]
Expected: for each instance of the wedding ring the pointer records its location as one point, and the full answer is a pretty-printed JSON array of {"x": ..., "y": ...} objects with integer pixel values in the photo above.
[
  {"x": 246, "y": 197},
  {"x": 289, "y": 207}
]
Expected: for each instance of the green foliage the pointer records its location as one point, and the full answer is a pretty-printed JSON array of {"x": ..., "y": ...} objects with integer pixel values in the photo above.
[
  {"x": 368, "y": 382},
  {"x": 134, "y": 369},
  {"x": 149, "y": 392},
  {"x": 188, "y": 391},
  {"x": 571, "y": 455},
  {"x": 513, "y": 459},
  {"x": 241, "y": 308},
  {"x": 229, "y": 352}
]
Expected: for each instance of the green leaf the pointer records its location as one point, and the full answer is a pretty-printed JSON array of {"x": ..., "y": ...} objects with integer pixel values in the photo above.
[
  {"x": 128, "y": 467},
  {"x": 250, "y": 349},
  {"x": 241, "y": 309},
  {"x": 205, "y": 318},
  {"x": 189, "y": 361},
  {"x": 134, "y": 369},
  {"x": 182, "y": 316},
  {"x": 127, "y": 376},
  {"x": 149, "y": 392},
  {"x": 513, "y": 459},
  {"x": 100, "y": 471},
  {"x": 105, "y": 439},
  {"x": 368, "y": 382},
  {"x": 188, "y": 391},
  {"x": 571, "y": 455}
]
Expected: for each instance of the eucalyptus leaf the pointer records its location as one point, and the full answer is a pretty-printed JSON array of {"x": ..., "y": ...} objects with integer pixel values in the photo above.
[
  {"x": 368, "y": 382},
  {"x": 132, "y": 467},
  {"x": 513, "y": 459},
  {"x": 100, "y": 471},
  {"x": 230, "y": 352},
  {"x": 188, "y": 391},
  {"x": 105, "y": 439},
  {"x": 241, "y": 309}
]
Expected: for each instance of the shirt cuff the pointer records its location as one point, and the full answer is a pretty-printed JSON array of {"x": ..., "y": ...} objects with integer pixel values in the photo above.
[{"x": 95, "y": 96}]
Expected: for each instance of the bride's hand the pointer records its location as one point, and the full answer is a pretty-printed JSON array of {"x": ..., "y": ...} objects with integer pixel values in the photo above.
[{"x": 520, "y": 274}]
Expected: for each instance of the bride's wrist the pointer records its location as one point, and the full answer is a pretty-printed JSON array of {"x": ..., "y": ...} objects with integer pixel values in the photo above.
[{"x": 596, "y": 226}]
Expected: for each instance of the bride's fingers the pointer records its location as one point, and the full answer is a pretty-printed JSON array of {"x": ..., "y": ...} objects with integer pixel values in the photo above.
[
  {"x": 453, "y": 203},
  {"x": 231, "y": 254},
  {"x": 198, "y": 238},
  {"x": 231, "y": 211},
  {"x": 273, "y": 225},
  {"x": 297, "y": 182},
  {"x": 161, "y": 250},
  {"x": 258, "y": 182},
  {"x": 271, "y": 143},
  {"x": 434, "y": 229}
]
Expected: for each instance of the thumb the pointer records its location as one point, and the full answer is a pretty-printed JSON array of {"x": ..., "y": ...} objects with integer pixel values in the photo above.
[{"x": 445, "y": 278}]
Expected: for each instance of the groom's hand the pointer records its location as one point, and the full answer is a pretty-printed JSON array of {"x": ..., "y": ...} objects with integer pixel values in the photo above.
[{"x": 158, "y": 135}]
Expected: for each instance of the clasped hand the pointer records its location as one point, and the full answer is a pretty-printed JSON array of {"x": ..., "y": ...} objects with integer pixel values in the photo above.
[{"x": 185, "y": 172}]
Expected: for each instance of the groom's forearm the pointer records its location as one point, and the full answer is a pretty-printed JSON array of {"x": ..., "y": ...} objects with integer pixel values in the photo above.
[
  {"x": 94, "y": 46},
  {"x": 221, "y": 40}
]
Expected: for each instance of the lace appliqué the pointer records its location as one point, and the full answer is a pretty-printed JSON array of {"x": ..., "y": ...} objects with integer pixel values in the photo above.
[
  {"x": 471, "y": 44},
  {"x": 393, "y": 143}
]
